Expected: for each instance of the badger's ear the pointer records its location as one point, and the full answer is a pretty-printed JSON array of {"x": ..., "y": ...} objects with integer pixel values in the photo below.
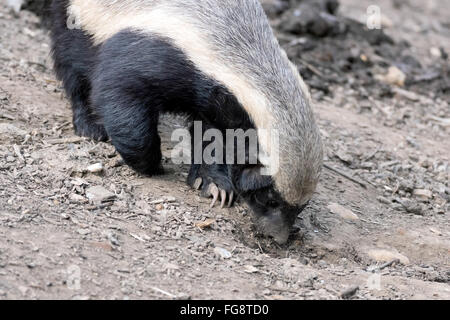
[{"x": 251, "y": 179}]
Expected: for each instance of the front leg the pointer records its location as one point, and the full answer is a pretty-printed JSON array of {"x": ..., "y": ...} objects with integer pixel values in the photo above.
[{"x": 213, "y": 181}]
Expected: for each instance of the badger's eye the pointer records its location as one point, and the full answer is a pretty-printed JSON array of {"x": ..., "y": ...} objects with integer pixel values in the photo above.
[{"x": 256, "y": 198}]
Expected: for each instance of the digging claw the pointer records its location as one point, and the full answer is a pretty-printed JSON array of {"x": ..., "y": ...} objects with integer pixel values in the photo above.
[
  {"x": 198, "y": 183},
  {"x": 230, "y": 200},
  {"x": 214, "y": 191},
  {"x": 223, "y": 198},
  {"x": 217, "y": 193}
]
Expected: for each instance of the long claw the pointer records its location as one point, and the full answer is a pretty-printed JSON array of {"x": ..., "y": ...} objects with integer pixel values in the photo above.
[
  {"x": 214, "y": 191},
  {"x": 198, "y": 183},
  {"x": 230, "y": 200},
  {"x": 223, "y": 198}
]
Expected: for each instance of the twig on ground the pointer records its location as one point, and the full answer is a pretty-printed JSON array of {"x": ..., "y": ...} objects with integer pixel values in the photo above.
[
  {"x": 362, "y": 184},
  {"x": 372, "y": 154},
  {"x": 375, "y": 268},
  {"x": 18, "y": 153},
  {"x": 65, "y": 140},
  {"x": 313, "y": 69},
  {"x": 281, "y": 289},
  {"x": 63, "y": 125},
  {"x": 442, "y": 121},
  {"x": 163, "y": 292},
  {"x": 388, "y": 264}
]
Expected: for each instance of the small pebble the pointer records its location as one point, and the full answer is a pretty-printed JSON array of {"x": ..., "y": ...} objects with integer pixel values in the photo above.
[
  {"x": 95, "y": 168},
  {"x": 222, "y": 253}
]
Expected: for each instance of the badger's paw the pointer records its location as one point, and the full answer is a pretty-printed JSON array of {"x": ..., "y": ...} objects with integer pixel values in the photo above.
[
  {"x": 92, "y": 130},
  {"x": 212, "y": 183},
  {"x": 212, "y": 190}
]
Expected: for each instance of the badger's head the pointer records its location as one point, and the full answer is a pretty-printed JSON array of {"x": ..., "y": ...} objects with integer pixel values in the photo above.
[
  {"x": 277, "y": 199},
  {"x": 272, "y": 92}
]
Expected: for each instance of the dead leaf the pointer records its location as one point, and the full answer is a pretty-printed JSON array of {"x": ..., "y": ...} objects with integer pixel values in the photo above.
[{"x": 205, "y": 224}]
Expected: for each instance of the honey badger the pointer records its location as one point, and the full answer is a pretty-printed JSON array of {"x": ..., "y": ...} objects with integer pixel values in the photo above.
[{"x": 123, "y": 63}]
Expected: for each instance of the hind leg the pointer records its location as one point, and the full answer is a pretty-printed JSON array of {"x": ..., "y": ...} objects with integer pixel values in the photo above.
[{"x": 73, "y": 54}]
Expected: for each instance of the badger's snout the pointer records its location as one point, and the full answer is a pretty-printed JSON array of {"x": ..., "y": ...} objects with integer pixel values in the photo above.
[
  {"x": 274, "y": 225},
  {"x": 272, "y": 215}
]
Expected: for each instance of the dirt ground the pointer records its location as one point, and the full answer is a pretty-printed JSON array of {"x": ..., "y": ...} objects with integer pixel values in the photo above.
[{"x": 69, "y": 233}]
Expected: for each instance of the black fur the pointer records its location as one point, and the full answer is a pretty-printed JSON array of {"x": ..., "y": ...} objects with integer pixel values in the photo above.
[
  {"x": 139, "y": 76},
  {"x": 74, "y": 58}
]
